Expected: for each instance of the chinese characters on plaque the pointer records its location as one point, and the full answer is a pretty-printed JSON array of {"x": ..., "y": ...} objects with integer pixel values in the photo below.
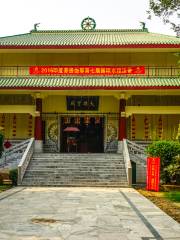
[
  {"x": 86, "y": 70},
  {"x": 153, "y": 173},
  {"x": 82, "y": 103}
]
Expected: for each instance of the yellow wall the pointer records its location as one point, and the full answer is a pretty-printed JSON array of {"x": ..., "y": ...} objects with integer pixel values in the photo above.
[
  {"x": 22, "y": 126},
  {"x": 108, "y": 104},
  {"x": 58, "y": 104},
  {"x": 169, "y": 122},
  {"x": 147, "y": 58}
]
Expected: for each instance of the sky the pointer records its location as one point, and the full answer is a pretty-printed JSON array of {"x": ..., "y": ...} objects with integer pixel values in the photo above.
[{"x": 19, "y": 16}]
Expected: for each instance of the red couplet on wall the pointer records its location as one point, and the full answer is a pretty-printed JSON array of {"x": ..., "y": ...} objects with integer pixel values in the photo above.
[{"x": 153, "y": 173}]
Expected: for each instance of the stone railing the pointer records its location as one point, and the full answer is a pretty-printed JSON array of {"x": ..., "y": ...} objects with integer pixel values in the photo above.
[
  {"x": 25, "y": 160},
  {"x": 21, "y": 71},
  {"x": 143, "y": 143},
  {"x": 137, "y": 152},
  {"x": 127, "y": 162},
  {"x": 12, "y": 156}
]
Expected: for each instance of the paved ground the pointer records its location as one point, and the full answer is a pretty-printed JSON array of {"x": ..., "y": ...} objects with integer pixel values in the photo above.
[{"x": 82, "y": 214}]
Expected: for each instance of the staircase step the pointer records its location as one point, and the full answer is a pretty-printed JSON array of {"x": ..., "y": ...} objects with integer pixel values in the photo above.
[
  {"x": 119, "y": 184},
  {"x": 76, "y": 170}
]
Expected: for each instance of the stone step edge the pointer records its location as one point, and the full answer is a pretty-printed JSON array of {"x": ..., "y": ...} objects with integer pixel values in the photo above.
[{"x": 77, "y": 185}]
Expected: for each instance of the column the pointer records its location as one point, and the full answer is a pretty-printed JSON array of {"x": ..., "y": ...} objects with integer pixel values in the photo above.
[
  {"x": 38, "y": 126},
  {"x": 122, "y": 119}
]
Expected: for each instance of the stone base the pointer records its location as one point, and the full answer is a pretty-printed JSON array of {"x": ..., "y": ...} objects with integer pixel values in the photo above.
[
  {"x": 38, "y": 148},
  {"x": 120, "y": 147}
]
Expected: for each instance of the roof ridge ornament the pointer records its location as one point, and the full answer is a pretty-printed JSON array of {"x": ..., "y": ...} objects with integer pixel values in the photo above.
[
  {"x": 36, "y": 25},
  {"x": 88, "y": 24},
  {"x": 143, "y": 25}
]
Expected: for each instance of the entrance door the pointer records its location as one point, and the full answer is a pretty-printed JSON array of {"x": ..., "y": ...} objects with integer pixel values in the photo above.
[{"x": 89, "y": 138}]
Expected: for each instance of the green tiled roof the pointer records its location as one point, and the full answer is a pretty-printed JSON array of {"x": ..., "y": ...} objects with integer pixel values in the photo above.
[
  {"x": 84, "y": 38},
  {"x": 85, "y": 82}
]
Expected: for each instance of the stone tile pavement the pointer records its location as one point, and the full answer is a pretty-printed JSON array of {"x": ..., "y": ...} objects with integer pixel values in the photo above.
[{"x": 82, "y": 214}]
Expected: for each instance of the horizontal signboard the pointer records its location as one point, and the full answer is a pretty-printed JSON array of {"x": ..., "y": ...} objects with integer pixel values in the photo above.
[
  {"x": 82, "y": 102},
  {"x": 86, "y": 70}
]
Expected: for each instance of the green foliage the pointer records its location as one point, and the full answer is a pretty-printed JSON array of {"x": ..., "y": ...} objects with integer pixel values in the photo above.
[
  {"x": 167, "y": 151},
  {"x": 4, "y": 188},
  {"x": 13, "y": 176},
  {"x": 173, "y": 170},
  {"x": 173, "y": 196}
]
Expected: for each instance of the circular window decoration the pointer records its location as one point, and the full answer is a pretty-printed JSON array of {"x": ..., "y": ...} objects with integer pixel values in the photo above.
[
  {"x": 53, "y": 132},
  {"x": 88, "y": 24}
]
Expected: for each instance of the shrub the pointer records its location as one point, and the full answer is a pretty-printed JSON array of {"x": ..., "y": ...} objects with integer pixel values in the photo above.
[
  {"x": 167, "y": 151},
  {"x": 13, "y": 176},
  {"x": 173, "y": 170}
]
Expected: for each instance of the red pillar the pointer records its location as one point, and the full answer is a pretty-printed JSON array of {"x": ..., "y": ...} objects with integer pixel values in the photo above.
[
  {"x": 38, "y": 120},
  {"x": 122, "y": 119}
]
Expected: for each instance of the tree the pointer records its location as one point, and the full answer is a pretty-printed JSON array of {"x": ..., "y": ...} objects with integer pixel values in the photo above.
[{"x": 168, "y": 10}]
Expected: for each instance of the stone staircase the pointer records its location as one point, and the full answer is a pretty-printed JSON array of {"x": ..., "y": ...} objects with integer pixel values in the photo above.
[{"x": 97, "y": 169}]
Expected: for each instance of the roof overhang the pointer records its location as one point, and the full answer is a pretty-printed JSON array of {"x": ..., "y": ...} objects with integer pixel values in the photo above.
[
  {"x": 89, "y": 83},
  {"x": 90, "y": 46}
]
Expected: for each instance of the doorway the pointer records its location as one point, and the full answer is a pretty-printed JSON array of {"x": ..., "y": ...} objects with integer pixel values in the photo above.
[{"x": 88, "y": 136}]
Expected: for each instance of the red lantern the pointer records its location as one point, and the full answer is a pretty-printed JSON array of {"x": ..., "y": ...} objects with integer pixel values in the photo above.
[
  {"x": 133, "y": 128},
  {"x": 87, "y": 120},
  {"x": 66, "y": 120},
  {"x": 14, "y": 126},
  {"x": 146, "y": 128},
  {"x": 160, "y": 127},
  {"x": 30, "y": 125},
  {"x": 97, "y": 120},
  {"x": 3, "y": 121},
  {"x": 77, "y": 120}
]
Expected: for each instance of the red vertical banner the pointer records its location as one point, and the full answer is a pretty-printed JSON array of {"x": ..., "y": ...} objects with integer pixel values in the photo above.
[
  {"x": 30, "y": 125},
  {"x": 14, "y": 125},
  {"x": 153, "y": 173},
  {"x": 133, "y": 127},
  {"x": 3, "y": 121},
  {"x": 146, "y": 128},
  {"x": 160, "y": 127}
]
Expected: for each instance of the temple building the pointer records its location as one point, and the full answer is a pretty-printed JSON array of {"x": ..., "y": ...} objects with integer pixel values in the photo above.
[{"x": 86, "y": 90}]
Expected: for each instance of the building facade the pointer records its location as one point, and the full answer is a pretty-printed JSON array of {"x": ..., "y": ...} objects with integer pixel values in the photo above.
[{"x": 85, "y": 90}]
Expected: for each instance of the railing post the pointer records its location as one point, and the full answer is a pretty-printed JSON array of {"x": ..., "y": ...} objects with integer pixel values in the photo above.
[
  {"x": 130, "y": 176},
  {"x": 127, "y": 162},
  {"x": 4, "y": 158},
  {"x": 19, "y": 175},
  {"x": 25, "y": 160}
]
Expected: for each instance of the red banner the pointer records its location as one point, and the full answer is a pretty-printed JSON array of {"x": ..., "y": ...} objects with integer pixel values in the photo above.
[
  {"x": 153, "y": 173},
  {"x": 86, "y": 70}
]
